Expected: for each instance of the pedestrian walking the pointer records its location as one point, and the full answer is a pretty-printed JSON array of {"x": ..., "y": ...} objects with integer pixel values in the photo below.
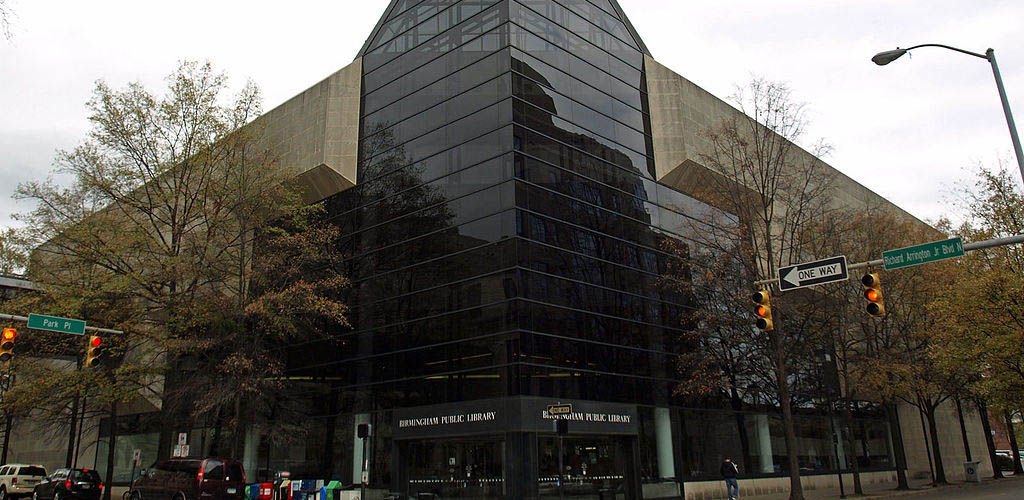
[{"x": 729, "y": 472}]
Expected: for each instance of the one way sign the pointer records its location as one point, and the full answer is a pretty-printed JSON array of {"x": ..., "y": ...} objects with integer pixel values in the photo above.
[{"x": 813, "y": 273}]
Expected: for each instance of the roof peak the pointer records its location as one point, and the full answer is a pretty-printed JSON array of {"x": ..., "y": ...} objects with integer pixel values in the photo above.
[{"x": 367, "y": 45}]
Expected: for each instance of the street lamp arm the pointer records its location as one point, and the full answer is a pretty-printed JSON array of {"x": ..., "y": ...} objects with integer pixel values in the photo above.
[{"x": 975, "y": 54}]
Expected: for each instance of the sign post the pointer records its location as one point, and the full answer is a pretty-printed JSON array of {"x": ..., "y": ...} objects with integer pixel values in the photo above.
[
  {"x": 813, "y": 273},
  {"x": 923, "y": 254},
  {"x": 136, "y": 459}
]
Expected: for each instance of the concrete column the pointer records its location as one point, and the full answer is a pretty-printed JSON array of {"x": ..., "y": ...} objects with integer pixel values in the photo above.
[
  {"x": 892, "y": 447},
  {"x": 663, "y": 436},
  {"x": 764, "y": 442},
  {"x": 357, "y": 446},
  {"x": 837, "y": 429},
  {"x": 252, "y": 446}
]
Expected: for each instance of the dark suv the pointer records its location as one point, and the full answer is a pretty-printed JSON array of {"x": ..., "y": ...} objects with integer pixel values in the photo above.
[
  {"x": 191, "y": 479},
  {"x": 69, "y": 484}
]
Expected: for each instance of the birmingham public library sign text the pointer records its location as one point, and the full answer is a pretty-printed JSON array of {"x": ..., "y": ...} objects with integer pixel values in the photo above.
[{"x": 523, "y": 414}]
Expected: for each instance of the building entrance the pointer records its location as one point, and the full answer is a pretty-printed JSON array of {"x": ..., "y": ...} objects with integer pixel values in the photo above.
[
  {"x": 456, "y": 469},
  {"x": 594, "y": 467}
]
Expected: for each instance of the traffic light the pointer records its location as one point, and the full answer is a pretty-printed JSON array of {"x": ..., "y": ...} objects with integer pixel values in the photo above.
[
  {"x": 873, "y": 294},
  {"x": 7, "y": 344},
  {"x": 763, "y": 310},
  {"x": 94, "y": 352}
]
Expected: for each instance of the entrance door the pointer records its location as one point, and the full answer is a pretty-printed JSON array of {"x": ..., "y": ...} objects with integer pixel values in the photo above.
[
  {"x": 456, "y": 469},
  {"x": 593, "y": 468}
]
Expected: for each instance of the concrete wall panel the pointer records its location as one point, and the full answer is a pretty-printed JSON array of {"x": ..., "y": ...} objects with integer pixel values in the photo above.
[{"x": 316, "y": 133}]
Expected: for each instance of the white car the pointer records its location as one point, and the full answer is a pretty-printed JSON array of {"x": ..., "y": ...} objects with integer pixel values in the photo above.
[{"x": 19, "y": 479}]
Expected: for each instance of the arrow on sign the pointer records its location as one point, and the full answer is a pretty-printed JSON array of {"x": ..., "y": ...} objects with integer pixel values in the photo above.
[{"x": 813, "y": 273}]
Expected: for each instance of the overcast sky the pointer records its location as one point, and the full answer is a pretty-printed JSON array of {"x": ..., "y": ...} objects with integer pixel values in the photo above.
[{"x": 910, "y": 131}]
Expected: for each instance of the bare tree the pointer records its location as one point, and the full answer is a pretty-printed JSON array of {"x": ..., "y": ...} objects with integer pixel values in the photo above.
[
  {"x": 769, "y": 192},
  {"x": 6, "y": 14}
]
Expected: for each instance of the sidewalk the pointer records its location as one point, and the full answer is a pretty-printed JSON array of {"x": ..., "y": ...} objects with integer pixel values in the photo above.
[{"x": 918, "y": 489}]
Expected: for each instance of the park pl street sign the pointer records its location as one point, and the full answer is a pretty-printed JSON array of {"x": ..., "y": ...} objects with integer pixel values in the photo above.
[
  {"x": 923, "y": 254},
  {"x": 55, "y": 324},
  {"x": 813, "y": 273}
]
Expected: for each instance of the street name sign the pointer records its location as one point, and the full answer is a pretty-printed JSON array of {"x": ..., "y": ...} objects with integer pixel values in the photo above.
[
  {"x": 55, "y": 324},
  {"x": 923, "y": 254},
  {"x": 559, "y": 409},
  {"x": 813, "y": 273}
]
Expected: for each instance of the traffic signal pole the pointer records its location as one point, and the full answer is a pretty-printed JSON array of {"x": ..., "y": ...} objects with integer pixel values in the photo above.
[{"x": 978, "y": 245}]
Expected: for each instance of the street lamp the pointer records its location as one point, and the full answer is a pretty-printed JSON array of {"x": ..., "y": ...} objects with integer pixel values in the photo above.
[{"x": 883, "y": 58}]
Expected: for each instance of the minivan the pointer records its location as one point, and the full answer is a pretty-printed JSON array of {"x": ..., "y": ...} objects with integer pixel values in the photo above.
[{"x": 191, "y": 479}]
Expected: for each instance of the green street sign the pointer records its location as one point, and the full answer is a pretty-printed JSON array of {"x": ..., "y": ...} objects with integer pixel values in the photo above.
[
  {"x": 923, "y": 254},
  {"x": 55, "y": 324}
]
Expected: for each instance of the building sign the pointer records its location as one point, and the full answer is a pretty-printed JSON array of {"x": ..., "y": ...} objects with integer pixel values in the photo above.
[
  {"x": 471, "y": 417},
  {"x": 586, "y": 417},
  {"x": 516, "y": 414},
  {"x": 452, "y": 419}
]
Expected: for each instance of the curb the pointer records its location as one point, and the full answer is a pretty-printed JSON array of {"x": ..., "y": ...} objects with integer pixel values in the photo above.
[{"x": 936, "y": 489}]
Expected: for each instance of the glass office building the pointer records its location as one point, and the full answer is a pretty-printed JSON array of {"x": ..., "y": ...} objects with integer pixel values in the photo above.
[{"x": 506, "y": 244}]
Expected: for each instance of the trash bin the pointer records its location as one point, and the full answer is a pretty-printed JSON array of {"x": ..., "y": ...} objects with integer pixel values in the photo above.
[
  {"x": 971, "y": 474},
  {"x": 330, "y": 490},
  {"x": 264, "y": 491},
  {"x": 250, "y": 492},
  {"x": 284, "y": 490}
]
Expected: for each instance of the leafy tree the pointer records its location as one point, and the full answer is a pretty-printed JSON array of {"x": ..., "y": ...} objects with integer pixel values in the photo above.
[
  {"x": 981, "y": 309},
  {"x": 12, "y": 252},
  {"x": 180, "y": 228}
]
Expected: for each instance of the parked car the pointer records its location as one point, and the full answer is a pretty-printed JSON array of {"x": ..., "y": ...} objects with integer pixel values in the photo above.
[
  {"x": 18, "y": 480},
  {"x": 191, "y": 479},
  {"x": 69, "y": 484}
]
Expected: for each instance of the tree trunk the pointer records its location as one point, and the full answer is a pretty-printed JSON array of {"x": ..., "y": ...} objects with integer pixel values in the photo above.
[
  {"x": 1010, "y": 433},
  {"x": 858, "y": 488},
  {"x": 997, "y": 472},
  {"x": 741, "y": 423},
  {"x": 963, "y": 430},
  {"x": 237, "y": 438},
  {"x": 111, "y": 441},
  {"x": 933, "y": 430},
  {"x": 8, "y": 422},
  {"x": 796, "y": 491},
  {"x": 218, "y": 425},
  {"x": 899, "y": 453},
  {"x": 71, "y": 435}
]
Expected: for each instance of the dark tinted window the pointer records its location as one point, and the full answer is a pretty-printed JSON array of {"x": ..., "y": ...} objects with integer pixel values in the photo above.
[
  {"x": 214, "y": 470},
  {"x": 235, "y": 473},
  {"x": 85, "y": 475},
  {"x": 189, "y": 466},
  {"x": 32, "y": 471}
]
